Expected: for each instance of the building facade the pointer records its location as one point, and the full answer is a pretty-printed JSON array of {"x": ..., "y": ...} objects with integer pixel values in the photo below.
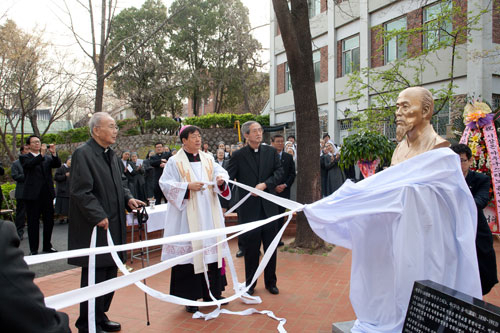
[{"x": 346, "y": 38}]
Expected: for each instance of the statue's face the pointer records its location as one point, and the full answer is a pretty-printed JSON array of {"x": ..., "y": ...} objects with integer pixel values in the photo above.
[{"x": 409, "y": 112}]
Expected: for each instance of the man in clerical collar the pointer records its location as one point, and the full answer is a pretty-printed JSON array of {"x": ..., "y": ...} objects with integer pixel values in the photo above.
[
  {"x": 259, "y": 166},
  {"x": 98, "y": 197},
  {"x": 193, "y": 206}
]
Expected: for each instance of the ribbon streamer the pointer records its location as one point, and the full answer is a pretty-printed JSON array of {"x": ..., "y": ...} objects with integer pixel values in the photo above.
[{"x": 92, "y": 290}]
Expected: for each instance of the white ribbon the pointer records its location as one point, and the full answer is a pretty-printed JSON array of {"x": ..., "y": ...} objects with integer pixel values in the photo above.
[{"x": 93, "y": 291}]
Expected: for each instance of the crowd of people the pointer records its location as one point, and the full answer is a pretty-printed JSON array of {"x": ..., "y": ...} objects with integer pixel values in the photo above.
[{"x": 95, "y": 186}]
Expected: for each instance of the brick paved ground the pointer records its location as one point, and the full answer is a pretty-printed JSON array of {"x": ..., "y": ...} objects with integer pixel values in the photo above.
[{"x": 314, "y": 293}]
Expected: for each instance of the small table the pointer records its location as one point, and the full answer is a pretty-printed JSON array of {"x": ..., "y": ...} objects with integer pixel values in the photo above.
[{"x": 156, "y": 221}]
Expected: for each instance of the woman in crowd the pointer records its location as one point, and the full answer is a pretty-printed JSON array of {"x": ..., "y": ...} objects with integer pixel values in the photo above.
[
  {"x": 62, "y": 191},
  {"x": 330, "y": 162},
  {"x": 138, "y": 176}
]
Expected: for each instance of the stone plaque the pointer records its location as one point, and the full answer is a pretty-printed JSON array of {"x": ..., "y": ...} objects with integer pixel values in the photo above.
[{"x": 436, "y": 308}]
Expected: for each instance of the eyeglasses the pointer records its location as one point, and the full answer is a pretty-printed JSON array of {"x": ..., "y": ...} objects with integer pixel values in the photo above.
[{"x": 111, "y": 127}]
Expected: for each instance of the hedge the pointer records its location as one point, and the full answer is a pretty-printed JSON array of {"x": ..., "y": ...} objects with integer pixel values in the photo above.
[{"x": 224, "y": 120}]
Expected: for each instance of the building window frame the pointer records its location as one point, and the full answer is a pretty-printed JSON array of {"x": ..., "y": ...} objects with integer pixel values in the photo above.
[
  {"x": 350, "y": 52},
  {"x": 429, "y": 20},
  {"x": 396, "y": 47},
  {"x": 288, "y": 80},
  {"x": 316, "y": 56},
  {"x": 314, "y": 7}
]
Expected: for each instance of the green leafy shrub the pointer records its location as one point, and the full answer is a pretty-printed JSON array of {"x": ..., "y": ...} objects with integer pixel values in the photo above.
[
  {"x": 162, "y": 125},
  {"x": 224, "y": 120},
  {"x": 6, "y": 188},
  {"x": 365, "y": 146}
]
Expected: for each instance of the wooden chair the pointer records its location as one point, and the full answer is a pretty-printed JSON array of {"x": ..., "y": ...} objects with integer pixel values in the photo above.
[{"x": 7, "y": 211}]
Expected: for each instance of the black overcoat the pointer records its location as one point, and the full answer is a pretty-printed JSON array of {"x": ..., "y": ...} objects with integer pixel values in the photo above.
[
  {"x": 22, "y": 306},
  {"x": 479, "y": 185},
  {"x": 38, "y": 175},
  {"x": 97, "y": 191},
  {"x": 62, "y": 182},
  {"x": 243, "y": 168},
  {"x": 289, "y": 174}
]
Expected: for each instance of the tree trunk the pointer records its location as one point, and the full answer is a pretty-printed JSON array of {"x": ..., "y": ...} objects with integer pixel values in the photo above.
[{"x": 296, "y": 35}]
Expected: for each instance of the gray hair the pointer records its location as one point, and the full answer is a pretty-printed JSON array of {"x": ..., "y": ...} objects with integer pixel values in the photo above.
[
  {"x": 245, "y": 128},
  {"x": 96, "y": 119},
  {"x": 134, "y": 153},
  {"x": 221, "y": 143}
]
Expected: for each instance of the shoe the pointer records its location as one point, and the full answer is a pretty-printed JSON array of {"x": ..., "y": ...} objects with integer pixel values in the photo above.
[
  {"x": 250, "y": 291},
  {"x": 281, "y": 243},
  {"x": 51, "y": 250},
  {"x": 111, "y": 326},
  {"x": 97, "y": 330},
  {"x": 192, "y": 309},
  {"x": 208, "y": 299},
  {"x": 21, "y": 236},
  {"x": 240, "y": 254},
  {"x": 33, "y": 253},
  {"x": 273, "y": 290}
]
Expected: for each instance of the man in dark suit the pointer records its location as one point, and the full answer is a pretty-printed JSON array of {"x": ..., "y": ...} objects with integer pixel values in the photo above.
[
  {"x": 258, "y": 166},
  {"x": 98, "y": 197},
  {"x": 479, "y": 185},
  {"x": 37, "y": 168},
  {"x": 158, "y": 162},
  {"x": 283, "y": 189},
  {"x": 22, "y": 308},
  {"x": 17, "y": 174}
]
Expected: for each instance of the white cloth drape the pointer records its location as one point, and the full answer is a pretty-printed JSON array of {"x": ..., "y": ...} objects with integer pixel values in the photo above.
[{"x": 413, "y": 221}]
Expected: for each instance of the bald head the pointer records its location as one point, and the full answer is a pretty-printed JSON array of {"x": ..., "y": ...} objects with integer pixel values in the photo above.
[{"x": 425, "y": 97}]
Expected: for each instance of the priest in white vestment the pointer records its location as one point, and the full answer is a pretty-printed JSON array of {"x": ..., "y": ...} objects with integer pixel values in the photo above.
[
  {"x": 413, "y": 221},
  {"x": 193, "y": 205}
]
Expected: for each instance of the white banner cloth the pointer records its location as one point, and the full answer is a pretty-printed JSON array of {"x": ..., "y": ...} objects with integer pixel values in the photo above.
[{"x": 412, "y": 221}]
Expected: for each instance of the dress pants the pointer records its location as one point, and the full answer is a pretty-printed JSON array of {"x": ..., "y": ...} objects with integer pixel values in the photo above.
[
  {"x": 102, "y": 303},
  {"x": 20, "y": 217},
  {"x": 186, "y": 284},
  {"x": 159, "y": 195},
  {"x": 251, "y": 242},
  {"x": 34, "y": 208}
]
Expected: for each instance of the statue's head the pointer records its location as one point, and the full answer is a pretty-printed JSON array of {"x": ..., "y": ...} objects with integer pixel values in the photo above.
[{"x": 414, "y": 109}]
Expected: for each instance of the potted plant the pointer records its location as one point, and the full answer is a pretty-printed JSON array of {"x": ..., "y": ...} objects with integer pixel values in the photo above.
[{"x": 367, "y": 149}]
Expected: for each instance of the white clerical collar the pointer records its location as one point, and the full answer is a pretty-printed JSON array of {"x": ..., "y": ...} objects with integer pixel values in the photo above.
[
  {"x": 34, "y": 154},
  {"x": 65, "y": 165},
  {"x": 106, "y": 150}
]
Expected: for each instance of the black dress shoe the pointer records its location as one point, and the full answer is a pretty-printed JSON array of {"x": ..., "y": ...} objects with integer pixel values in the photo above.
[
  {"x": 97, "y": 330},
  {"x": 191, "y": 309},
  {"x": 51, "y": 250},
  {"x": 240, "y": 254},
  {"x": 281, "y": 243},
  {"x": 33, "y": 253},
  {"x": 273, "y": 290},
  {"x": 111, "y": 326},
  {"x": 250, "y": 291}
]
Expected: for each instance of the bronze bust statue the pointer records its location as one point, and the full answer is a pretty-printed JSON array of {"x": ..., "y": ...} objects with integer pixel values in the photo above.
[{"x": 414, "y": 132}]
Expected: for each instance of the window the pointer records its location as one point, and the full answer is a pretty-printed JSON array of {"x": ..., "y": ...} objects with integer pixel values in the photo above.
[
  {"x": 314, "y": 7},
  {"x": 288, "y": 81},
  {"x": 350, "y": 55},
  {"x": 440, "y": 120},
  {"x": 495, "y": 102},
  {"x": 437, "y": 23},
  {"x": 317, "y": 65},
  {"x": 395, "y": 45}
]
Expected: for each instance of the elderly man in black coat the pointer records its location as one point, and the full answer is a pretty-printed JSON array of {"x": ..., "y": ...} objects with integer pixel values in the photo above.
[
  {"x": 22, "y": 308},
  {"x": 479, "y": 185},
  {"x": 258, "y": 166},
  {"x": 98, "y": 197},
  {"x": 39, "y": 191}
]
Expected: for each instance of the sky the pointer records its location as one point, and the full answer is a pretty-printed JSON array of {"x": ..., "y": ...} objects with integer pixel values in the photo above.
[{"x": 46, "y": 15}]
